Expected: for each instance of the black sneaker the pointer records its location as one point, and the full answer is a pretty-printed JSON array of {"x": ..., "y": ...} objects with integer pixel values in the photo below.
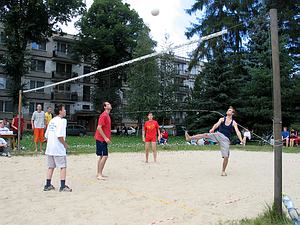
[
  {"x": 65, "y": 189},
  {"x": 49, "y": 188}
]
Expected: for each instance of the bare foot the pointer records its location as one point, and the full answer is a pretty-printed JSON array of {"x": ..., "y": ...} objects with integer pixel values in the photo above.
[
  {"x": 101, "y": 178},
  {"x": 187, "y": 136},
  {"x": 223, "y": 174}
]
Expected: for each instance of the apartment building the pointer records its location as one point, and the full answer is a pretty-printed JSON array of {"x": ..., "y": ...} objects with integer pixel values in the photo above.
[{"x": 52, "y": 61}]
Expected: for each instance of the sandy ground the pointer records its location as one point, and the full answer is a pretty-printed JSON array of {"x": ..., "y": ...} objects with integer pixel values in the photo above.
[{"x": 183, "y": 188}]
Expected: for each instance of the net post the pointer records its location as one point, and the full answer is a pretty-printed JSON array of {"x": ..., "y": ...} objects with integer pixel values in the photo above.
[
  {"x": 19, "y": 119},
  {"x": 277, "y": 114}
]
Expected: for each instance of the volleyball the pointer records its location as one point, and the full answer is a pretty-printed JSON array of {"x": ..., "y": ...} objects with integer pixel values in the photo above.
[{"x": 155, "y": 12}]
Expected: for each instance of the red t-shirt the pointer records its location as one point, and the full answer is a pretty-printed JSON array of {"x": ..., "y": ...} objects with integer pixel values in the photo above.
[
  {"x": 165, "y": 135},
  {"x": 16, "y": 124},
  {"x": 104, "y": 120},
  {"x": 151, "y": 128}
]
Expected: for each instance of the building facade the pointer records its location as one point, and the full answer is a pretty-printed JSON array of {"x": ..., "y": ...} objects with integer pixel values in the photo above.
[{"x": 50, "y": 62}]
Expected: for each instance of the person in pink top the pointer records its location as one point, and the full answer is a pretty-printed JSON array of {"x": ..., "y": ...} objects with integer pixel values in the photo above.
[{"x": 103, "y": 137}]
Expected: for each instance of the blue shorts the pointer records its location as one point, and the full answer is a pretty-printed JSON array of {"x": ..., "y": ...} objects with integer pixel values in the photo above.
[{"x": 101, "y": 148}]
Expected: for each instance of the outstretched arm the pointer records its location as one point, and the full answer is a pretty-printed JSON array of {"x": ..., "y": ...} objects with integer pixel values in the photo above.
[
  {"x": 237, "y": 131},
  {"x": 216, "y": 125}
]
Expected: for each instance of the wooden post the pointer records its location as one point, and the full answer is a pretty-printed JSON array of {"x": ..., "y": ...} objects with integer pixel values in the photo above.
[{"x": 277, "y": 123}]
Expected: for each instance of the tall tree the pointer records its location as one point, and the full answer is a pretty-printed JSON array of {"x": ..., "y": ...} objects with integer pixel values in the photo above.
[
  {"x": 217, "y": 86},
  {"x": 218, "y": 15},
  {"x": 169, "y": 82},
  {"x": 257, "y": 91},
  {"x": 30, "y": 20},
  {"x": 108, "y": 35},
  {"x": 143, "y": 79}
]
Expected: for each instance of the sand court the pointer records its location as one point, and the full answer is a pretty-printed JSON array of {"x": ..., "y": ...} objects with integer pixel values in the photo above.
[{"x": 182, "y": 188}]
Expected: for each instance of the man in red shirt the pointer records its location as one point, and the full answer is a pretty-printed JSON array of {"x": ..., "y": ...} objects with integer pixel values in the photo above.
[
  {"x": 151, "y": 129},
  {"x": 102, "y": 136}
]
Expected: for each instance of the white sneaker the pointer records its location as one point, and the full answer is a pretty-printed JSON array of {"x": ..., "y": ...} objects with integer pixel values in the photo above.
[{"x": 8, "y": 154}]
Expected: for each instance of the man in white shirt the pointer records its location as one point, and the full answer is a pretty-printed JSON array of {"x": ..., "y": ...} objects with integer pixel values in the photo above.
[
  {"x": 3, "y": 128},
  {"x": 56, "y": 149}
]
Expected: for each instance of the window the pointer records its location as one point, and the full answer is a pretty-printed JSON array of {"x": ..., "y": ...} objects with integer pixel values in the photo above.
[
  {"x": 32, "y": 84},
  {"x": 38, "y": 65},
  {"x": 86, "y": 93},
  {"x": 86, "y": 69},
  {"x": 2, "y": 83},
  {"x": 62, "y": 47},
  {"x": 40, "y": 84},
  {"x": 62, "y": 88},
  {"x": 86, "y": 107},
  {"x": 39, "y": 46},
  {"x": 64, "y": 69},
  {"x": 6, "y": 106},
  {"x": 36, "y": 84}
]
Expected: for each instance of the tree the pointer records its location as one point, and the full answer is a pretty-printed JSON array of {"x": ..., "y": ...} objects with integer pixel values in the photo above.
[
  {"x": 220, "y": 15},
  {"x": 26, "y": 21},
  {"x": 217, "y": 86},
  {"x": 169, "y": 82},
  {"x": 108, "y": 35},
  {"x": 257, "y": 109},
  {"x": 143, "y": 79}
]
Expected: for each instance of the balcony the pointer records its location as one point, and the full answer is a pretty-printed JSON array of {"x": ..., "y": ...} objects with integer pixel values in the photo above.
[
  {"x": 184, "y": 89},
  {"x": 61, "y": 75},
  {"x": 68, "y": 57},
  {"x": 64, "y": 96}
]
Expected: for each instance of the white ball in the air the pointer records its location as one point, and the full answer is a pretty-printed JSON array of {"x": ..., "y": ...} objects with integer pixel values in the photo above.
[{"x": 155, "y": 12}]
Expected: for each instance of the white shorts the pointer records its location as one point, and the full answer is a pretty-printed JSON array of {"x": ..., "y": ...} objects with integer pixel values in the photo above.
[{"x": 56, "y": 161}]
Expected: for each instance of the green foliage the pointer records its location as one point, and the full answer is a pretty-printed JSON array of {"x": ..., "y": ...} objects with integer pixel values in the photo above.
[
  {"x": 26, "y": 21},
  {"x": 143, "y": 79},
  {"x": 257, "y": 91},
  {"x": 269, "y": 217},
  {"x": 242, "y": 76},
  {"x": 109, "y": 31}
]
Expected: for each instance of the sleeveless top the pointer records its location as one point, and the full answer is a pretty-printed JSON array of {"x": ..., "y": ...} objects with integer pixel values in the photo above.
[{"x": 226, "y": 130}]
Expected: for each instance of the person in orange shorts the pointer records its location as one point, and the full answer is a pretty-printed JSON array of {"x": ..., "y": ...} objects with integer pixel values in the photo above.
[
  {"x": 151, "y": 131},
  {"x": 38, "y": 126}
]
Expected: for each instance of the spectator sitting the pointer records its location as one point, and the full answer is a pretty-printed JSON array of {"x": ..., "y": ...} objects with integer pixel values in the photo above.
[
  {"x": 6, "y": 123},
  {"x": 3, "y": 129},
  {"x": 164, "y": 137},
  {"x": 3, "y": 148},
  {"x": 293, "y": 137},
  {"x": 285, "y": 135},
  {"x": 201, "y": 142},
  {"x": 247, "y": 135}
]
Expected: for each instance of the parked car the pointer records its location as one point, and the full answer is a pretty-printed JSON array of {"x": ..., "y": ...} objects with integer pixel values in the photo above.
[
  {"x": 130, "y": 130},
  {"x": 76, "y": 130}
]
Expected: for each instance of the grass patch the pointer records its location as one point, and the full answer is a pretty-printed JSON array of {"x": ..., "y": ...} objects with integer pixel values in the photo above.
[
  {"x": 82, "y": 145},
  {"x": 268, "y": 217}
]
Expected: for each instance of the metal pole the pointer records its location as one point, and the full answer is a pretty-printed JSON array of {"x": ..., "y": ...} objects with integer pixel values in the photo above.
[
  {"x": 19, "y": 118},
  {"x": 277, "y": 123}
]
